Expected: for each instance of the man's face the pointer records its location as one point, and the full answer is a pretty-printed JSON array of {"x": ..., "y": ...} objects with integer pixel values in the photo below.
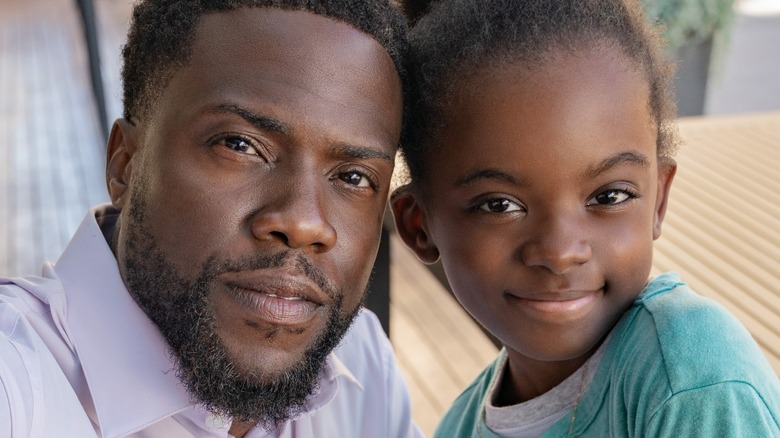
[{"x": 255, "y": 192}]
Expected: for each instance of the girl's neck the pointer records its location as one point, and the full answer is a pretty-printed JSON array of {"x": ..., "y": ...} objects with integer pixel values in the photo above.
[{"x": 525, "y": 378}]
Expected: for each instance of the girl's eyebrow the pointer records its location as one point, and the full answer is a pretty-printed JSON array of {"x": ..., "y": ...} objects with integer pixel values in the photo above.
[
  {"x": 628, "y": 157},
  {"x": 489, "y": 174}
]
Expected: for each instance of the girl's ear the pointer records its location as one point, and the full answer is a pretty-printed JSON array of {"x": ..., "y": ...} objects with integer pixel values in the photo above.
[
  {"x": 410, "y": 223},
  {"x": 667, "y": 167},
  {"x": 122, "y": 145}
]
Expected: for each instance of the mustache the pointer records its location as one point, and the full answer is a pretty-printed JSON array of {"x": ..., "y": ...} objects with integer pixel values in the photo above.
[{"x": 298, "y": 262}]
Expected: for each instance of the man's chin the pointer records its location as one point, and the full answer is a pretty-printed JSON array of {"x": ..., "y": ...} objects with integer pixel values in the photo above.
[
  {"x": 262, "y": 350},
  {"x": 263, "y": 364},
  {"x": 267, "y": 384}
]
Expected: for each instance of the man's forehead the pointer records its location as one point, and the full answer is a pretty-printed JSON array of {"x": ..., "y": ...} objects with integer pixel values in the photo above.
[
  {"x": 294, "y": 44},
  {"x": 277, "y": 26},
  {"x": 287, "y": 64}
]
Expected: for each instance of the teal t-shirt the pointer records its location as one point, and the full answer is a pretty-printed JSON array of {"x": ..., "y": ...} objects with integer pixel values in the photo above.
[{"x": 677, "y": 364}]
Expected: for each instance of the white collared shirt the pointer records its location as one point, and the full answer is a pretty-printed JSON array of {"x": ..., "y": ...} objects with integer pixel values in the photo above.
[{"x": 79, "y": 358}]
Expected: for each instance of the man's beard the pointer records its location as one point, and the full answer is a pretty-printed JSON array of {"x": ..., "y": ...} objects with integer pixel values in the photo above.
[{"x": 182, "y": 312}]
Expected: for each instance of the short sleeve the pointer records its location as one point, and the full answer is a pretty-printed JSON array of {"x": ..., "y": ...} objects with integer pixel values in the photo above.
[{"x": 722, "y": 409}]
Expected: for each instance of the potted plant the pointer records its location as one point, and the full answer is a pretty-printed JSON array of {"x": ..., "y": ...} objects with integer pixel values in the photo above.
[{"x": 692, "y": 28}]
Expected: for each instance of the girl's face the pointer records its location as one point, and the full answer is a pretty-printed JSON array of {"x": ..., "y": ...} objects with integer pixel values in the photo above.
[{"x": 543, "y": 197}]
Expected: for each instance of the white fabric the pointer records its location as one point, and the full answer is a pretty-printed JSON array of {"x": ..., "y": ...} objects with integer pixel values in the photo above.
[
  {"x": 79, "y": 358},
  {"x": 534, "y": 417}
]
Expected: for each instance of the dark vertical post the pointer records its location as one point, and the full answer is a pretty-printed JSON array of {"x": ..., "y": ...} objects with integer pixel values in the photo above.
[
  {"x": 87, "y": 10},
  {"x": 378, "y": 299},
  {"x": 690, "y": 83}
]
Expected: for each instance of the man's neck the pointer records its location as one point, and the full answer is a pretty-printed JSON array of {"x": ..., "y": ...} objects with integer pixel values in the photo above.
[
  {"x": 108, "y": 221},
  {"x": 238, "y": 429}
]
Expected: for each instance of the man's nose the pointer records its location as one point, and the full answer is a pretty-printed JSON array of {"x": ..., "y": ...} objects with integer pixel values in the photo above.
[
  {"x": 297, "y": 219},
  {"x": 556, "y": 244}
]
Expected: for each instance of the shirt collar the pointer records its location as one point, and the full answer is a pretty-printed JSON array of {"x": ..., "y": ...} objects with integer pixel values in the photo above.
[{"x": 124, "y": 356}]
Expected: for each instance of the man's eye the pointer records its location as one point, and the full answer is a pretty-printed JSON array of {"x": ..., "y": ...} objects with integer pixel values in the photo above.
[
  {"x": 499, "y": 205},
  {"x": 611, "y": 197},
  {"x": 240, "y": 145},
  {"x": 356, "y": 179}
]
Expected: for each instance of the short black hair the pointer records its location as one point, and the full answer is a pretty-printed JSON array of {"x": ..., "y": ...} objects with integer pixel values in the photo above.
[
  {"x": 459, "y": 38},
  {"x": 161, "y": 34}
]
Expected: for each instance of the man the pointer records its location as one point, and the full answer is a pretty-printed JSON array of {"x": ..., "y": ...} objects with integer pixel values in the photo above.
[{"x": 220, "y": 292}]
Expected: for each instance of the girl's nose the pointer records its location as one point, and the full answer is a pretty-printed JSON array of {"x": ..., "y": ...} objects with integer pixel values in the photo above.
[{"x": 557, "y": 246}]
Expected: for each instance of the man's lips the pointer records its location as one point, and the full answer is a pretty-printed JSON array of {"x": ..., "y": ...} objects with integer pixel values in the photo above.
[{"x": 275, "y": 299}]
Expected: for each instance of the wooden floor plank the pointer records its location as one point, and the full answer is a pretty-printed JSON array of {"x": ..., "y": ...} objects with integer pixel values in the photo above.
[
  {"x": 755, "y": 266},
  {"x": 429, "y": 305},
  {"x": 439, "y": 347},
  {"x": 427, "y": 407},
  {"x": 722, "y": 231}
]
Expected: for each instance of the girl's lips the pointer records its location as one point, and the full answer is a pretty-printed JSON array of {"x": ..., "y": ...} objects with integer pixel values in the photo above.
[
  {"x": 559, "y": 306},
  {"x": 275, "y": 309}
]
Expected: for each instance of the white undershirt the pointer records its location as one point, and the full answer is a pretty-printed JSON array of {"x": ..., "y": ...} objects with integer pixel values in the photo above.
[{"x": 534, "y": 417}]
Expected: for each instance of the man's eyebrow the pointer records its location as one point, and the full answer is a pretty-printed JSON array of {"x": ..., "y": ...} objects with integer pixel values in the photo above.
[
  {"x": 362, "y": 152},
  {"x": 265, "y": 123},
  {"x": 489, "y": 174},
  {"x": 628, "y": 157}
]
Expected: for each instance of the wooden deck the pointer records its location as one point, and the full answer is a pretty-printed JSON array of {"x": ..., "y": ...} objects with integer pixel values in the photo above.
[
  {"x": 722, "y": 234},
  {"x": 439, "y": 347}
]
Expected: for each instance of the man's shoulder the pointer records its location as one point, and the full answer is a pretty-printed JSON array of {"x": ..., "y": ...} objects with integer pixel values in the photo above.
[
  {"x": 27, "y": 319},
  {"x": 37, "y": 301},
  {"x": 35, "y": 394},
  {"x": 29, "y": 294}
]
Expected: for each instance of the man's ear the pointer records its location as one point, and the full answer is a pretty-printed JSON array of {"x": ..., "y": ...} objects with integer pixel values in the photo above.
[
  {"x": 410, "y": 223},
  {"x": 667, "y": 168},
  {"x": 122, "y": 145}
]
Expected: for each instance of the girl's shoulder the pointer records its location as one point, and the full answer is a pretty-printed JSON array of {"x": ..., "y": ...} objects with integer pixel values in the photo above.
[
  {"x": 678, "y": 360},
  {"x": 462, "y": 417},
  {"x": 676, "y": 340}
]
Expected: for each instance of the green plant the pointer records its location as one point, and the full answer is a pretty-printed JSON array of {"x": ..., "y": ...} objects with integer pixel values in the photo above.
[{"x": 690, "y": 21}]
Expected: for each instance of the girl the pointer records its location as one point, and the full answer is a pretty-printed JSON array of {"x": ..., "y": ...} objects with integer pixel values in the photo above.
[{"x": 540, "y": 161}]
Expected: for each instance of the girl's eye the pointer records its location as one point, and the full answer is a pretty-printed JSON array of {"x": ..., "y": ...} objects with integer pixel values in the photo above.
[
  {"x": 240, "y": 145},
  {"x": 611, "y": 197},
  {"x": 499, "y": 205},
  {"x": 356, "y": 179}
]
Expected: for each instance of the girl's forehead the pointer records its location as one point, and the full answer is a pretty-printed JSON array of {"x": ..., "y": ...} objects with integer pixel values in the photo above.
[
  {"x": 549, "y": 66},
  {"x": 562, "y": 80},
  {"x": 573, "y": 103}
]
